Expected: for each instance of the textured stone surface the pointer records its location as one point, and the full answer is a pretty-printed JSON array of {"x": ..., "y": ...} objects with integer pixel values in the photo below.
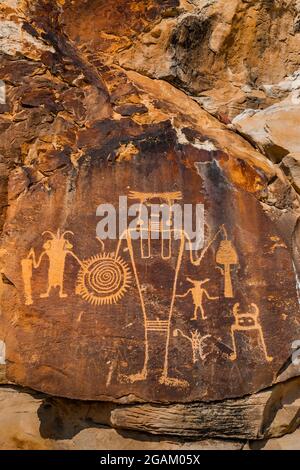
[
  {"x": 78, "y": 324},
  {"x": 239, "y": 419},
  {"x": 108, "y": 98},
  {"x": 291, "y": 166},
  {"x": 266, "y": 130},
  {"x": 31, "y": 422},
  {"x": 270, "y": 413}
]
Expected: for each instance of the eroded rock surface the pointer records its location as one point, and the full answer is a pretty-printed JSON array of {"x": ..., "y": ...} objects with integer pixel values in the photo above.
[{"x": 110, "y": 99}]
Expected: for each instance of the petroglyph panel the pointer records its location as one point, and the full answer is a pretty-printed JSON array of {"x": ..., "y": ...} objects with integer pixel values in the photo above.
[{"x": 151, "y": 317}]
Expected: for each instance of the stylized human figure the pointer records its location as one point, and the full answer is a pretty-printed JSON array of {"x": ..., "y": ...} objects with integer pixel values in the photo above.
[
  {"x": 247, "y": 322},
  {"x": 166, "y": 233},
  {"x": 196, "y": 341},
  {"x": 198, "y": 293},
  {"x": 56, "y": 250}
]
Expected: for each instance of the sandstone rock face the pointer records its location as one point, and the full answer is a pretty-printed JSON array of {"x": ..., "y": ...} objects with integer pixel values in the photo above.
[
  {"x": 33, "y": 421},
  {"x": 110, "y": 100},
  {"x": 266, "y": 130},
  {"x": 221, "y": 52}
]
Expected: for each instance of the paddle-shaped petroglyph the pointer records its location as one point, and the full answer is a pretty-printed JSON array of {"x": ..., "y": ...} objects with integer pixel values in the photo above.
[{"x": 227, "y": 256}]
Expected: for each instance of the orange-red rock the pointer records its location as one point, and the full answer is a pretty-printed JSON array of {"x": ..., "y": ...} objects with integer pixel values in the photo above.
[{"x": 90, "y": 116}]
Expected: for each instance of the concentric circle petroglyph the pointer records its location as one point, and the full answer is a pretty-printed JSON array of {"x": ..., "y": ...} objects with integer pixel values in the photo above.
[{"x": 103, "y": 279}]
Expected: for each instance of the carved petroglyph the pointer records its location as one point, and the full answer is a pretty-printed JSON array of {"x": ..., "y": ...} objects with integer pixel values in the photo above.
[
  {"x": 166, "y": 234},
  {"x": 198, "y": 293},
  {"x": 156, "y": 229},
  {"x": 56, "y": 250},
  {"x": 103, "y": 279},
  {"x": 157, "y": 325},
  {"x": 247, "y": 322},
  {"x": 162, "y": 325},
  {"x": 227, "y": 256},
  {"x": 168, "y": 197},
  {"x": 277, "y": 243},
  {"x": 196, "y": 341}
]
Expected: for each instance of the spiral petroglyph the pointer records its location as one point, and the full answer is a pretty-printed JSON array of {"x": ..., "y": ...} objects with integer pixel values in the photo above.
[{"x": 103, "y": 279}]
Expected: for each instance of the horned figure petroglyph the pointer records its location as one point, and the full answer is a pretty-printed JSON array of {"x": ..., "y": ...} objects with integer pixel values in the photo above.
[
  {"x": 247, "y": 322},
  {"x": 56, "y": 250},
  {"x": 103, "y": 279}
]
